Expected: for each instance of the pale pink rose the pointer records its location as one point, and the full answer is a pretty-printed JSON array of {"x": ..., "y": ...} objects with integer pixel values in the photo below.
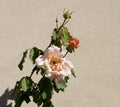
[{"x": 57, "y": 67}]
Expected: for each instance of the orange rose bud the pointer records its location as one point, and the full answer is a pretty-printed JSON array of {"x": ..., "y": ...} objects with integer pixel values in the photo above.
[{"x": 73, "y": 43}]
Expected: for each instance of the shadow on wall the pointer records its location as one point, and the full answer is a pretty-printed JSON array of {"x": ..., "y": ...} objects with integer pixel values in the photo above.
[{"x": 7, "y": 95}]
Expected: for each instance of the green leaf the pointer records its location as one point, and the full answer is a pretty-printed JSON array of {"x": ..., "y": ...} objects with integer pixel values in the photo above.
[
  {"x": 21, "y": 96},
  {"x": 60, "y": 86},
  {"x": 57, "y": 42},
  {"x": 18, "y": 99},
  {"x": 46, "y": 88},
  {"x": 42, "y": 69},
  {"x": 26, "y": 97},
  {"x": 34, "y": 53},
  {"x": 73, "y": 73},
  {"x": 26, "y": 83},
  {"x": 47, "y": 104},
  {"x": 64, "y": 35},
  {"x": 20, "y": 65},
  {"x": 37, "y": 97},
  {"x": 55, "y": 39},
  {"x": 44, "y": 95},
  {"x": 42, "y": 92},
  {"x": 37, "y": 69},
  {"x": 54, "y": 35},
  {"x": 22, "y": 91}
]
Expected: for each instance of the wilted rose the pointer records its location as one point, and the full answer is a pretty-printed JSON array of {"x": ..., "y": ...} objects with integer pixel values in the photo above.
[
  {"x": 56, "y": 66},
  {"x": 73, "y": 43}
]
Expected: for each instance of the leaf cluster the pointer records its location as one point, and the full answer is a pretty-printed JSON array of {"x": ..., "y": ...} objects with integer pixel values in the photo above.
[{"x": 41, "y": 92}]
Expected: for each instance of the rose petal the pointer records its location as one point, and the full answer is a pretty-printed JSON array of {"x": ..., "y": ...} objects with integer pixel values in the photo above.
[
  {"x": 59, "y": 78},
  {"x": 39, "y": 61},
  {"x": 46, "y": 64},
  {"x": 68, "y": 63},
  {"x": 66, "y": 71}
]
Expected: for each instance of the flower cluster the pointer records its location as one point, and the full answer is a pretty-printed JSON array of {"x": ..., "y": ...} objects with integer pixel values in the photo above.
[{"x": 52, "y": 64}]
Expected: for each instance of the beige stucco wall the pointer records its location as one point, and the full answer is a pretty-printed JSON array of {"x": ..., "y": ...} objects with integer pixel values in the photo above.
[{"x": 28, "y": 23}]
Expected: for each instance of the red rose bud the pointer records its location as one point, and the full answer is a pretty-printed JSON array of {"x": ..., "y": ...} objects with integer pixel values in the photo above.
[{"x": 73, "y": 43}]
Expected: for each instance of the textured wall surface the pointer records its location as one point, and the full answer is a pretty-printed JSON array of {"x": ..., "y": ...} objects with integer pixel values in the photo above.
[{"x": 28, "y": 23}]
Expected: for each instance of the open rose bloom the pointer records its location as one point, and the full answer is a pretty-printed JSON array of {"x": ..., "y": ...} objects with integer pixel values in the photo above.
[{"x": 57, "y": 67}]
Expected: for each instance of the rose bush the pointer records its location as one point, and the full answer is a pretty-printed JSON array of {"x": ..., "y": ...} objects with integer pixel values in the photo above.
[{"x": 51, "y": 64}]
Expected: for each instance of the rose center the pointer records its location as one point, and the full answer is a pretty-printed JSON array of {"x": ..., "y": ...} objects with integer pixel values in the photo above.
[{"x": 55, "y": 64}]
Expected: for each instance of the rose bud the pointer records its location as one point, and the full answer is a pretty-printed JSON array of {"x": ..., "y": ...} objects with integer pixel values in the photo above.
[
  {"x": 67, "y": 14},
  {"x": 73, "y": 43}
]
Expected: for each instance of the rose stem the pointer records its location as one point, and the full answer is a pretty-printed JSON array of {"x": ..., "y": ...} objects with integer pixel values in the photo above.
[
  {"x": 57, "y": 23},
  {"x": 47, "y": 47},
  {"x": 62, "y": 24},
  {"x": 65, "y": 54},
  {"x": 33, "y": 70}
]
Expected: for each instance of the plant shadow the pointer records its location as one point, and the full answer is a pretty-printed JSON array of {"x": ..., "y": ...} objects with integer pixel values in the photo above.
[{"x": 7, "y": 95}]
